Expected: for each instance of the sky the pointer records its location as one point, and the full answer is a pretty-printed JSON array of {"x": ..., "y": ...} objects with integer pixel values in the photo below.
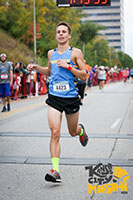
[{"x": 128, "y": 26}]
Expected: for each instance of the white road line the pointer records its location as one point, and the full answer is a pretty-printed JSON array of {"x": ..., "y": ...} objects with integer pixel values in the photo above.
[{"x": 117, "y": 121}]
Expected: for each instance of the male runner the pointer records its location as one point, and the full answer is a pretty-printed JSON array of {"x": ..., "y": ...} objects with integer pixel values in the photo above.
[
  {"x": 65, "y": 65},
  {"x": 6, "y": 81}
]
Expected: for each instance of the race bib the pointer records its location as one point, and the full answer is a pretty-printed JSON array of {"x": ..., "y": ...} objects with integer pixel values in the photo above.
[
  {"x": 4, "y": 76},
  {"x": 61, "y": 86}
]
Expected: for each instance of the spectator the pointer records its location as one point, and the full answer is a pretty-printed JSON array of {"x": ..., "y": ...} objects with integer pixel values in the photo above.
[
  {"x": 89, "y": 76},
  {"x": 6, "y": 81},
  {"x": 131, "y": 74},
  {"x": 20, "y": 67},
  {"x": 16, "y": 85},
  {"x": 36, "y": 81},
  {"x": 47, "y": 82},
  {"x": 30, "y": 82},
  {"x": 125, "y": 74}
]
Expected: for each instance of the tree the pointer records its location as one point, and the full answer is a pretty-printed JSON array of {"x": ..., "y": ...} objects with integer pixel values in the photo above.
[
  {"x": 125, "y": 60},
  {"x": 29, "y": 36},
  {"x": 87, "y": 32},
  {"x": 99, "y": 52},
  {"x": 17, "y": 19},
  {"x": 3, "y": 11},
  {"x": 16, "y": 15},
  {"x": 52, "y": 16}
]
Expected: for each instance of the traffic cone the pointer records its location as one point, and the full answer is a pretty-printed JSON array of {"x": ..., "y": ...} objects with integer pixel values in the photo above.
[{"x": 44, "y": 89}]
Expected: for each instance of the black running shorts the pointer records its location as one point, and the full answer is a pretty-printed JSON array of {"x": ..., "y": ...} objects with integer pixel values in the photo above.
[{"x": 69, "y": 105}]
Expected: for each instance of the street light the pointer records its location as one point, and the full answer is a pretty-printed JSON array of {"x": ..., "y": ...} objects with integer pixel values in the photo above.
[{"x": 34, "y": 19}]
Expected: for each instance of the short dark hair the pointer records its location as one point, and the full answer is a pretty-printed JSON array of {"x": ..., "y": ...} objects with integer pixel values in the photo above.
[{"x": 64, "y": 24}]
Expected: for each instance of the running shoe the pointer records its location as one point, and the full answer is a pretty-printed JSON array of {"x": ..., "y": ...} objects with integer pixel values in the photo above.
[
  {"x": 53, "y": 176},
  {"x": 83, "y": 138},
  {"x": 4, "y": 109}
]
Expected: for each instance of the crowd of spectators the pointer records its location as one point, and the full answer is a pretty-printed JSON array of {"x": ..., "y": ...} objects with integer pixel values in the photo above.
[{"x": 27, "y": 84}]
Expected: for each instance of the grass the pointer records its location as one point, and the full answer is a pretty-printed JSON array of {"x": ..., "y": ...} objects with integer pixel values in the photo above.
[{"x": 15, "y": 50}]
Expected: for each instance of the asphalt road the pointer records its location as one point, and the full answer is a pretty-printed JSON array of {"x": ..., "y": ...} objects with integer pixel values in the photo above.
[{"x": 24, "y": 146}]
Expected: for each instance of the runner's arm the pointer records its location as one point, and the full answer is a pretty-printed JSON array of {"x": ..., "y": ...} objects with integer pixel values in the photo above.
[
  {"x": 77, "y": 58},
  {"x": 43, "y": 70}
]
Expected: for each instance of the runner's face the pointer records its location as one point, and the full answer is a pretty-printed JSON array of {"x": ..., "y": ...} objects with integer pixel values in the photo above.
[{"x": 62, "y": 35}]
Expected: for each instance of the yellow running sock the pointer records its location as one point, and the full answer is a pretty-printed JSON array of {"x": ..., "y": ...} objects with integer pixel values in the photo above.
[
  {"x": 82, "y": 131},
  {"x": 55, "y": 163}
]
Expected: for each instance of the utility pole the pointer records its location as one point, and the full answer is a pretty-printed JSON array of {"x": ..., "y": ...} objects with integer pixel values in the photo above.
[
  {"x": 83, "y": 49},
  {"x": 34, "y": 19},
  {"x": 95, "y": 57}
]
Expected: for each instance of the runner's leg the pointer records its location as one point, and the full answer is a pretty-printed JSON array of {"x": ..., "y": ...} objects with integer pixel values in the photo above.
[
  {"x": 72, "y": 123},
  {"x": 76, "y": 129},
  {"x": 54, "y": 120},
  {"x": 102, "y": 84}
]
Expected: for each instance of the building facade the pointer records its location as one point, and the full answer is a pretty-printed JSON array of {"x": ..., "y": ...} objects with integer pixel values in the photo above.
[{"x": 112, "y": 17}]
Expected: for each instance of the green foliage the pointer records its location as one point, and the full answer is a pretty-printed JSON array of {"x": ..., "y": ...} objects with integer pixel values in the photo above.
[
  {"x": 16, "y": 51},
  {"x": 53, "y": 16},
  {"x": 88, "y": 31},
  {"x": 126, "y": 60},
  {"x": 97, "y": 52},
  {"x": 17, "y": 19},
  {"x": 3, "y": 17}
]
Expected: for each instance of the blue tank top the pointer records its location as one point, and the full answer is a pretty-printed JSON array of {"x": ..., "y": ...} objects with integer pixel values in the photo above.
[{"x": 63, "y": 82}]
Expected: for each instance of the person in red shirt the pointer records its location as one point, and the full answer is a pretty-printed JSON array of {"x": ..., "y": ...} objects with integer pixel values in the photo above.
[{"x": 125, "y": 74}]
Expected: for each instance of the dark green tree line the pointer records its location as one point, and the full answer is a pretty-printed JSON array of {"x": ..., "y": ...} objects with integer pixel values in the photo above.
[{"x": 16, "y": 18}]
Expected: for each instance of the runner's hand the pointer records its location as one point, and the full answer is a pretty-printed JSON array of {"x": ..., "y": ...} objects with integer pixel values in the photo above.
[
  {"x": 62, "y": 63},
  {"x": 30, "y": 67}
]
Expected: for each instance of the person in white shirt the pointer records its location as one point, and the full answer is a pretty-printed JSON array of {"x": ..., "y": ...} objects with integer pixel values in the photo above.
[{"x": 101, "y": 77}]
